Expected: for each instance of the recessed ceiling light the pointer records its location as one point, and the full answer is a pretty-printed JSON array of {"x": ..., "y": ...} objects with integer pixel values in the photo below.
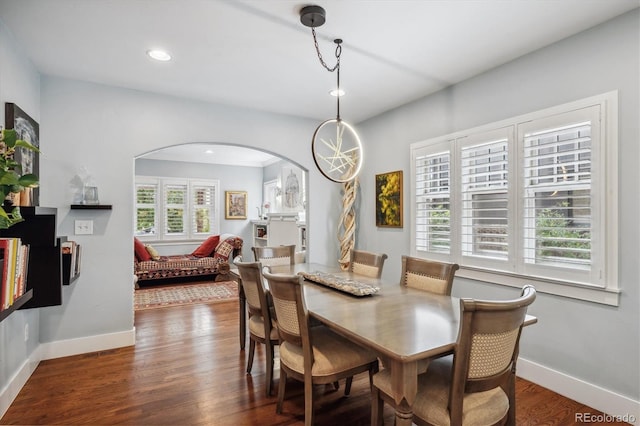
[
  {"x": 337, "y": 92},
  {"x": 159, "y": 55}
]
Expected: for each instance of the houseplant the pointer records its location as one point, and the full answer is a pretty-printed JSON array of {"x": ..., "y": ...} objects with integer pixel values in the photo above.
[{"x": 12, "y": 181}]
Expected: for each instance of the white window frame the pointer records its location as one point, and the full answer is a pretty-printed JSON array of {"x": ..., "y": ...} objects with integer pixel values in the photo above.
[
  {"x": 600, "y": 284},
  {"x": 160, "y": 208}
]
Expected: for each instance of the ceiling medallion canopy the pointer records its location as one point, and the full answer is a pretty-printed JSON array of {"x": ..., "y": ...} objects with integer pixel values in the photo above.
[{"x": 336, "y": 147}]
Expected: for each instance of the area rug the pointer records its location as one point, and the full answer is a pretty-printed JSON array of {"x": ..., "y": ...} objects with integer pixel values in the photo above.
[{"x": 185, "y": 294}]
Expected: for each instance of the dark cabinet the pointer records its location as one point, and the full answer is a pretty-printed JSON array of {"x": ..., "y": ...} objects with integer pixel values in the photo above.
[{"x": 44, "y": 275}]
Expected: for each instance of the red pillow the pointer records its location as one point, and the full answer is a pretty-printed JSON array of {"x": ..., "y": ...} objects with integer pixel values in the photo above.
[
  {"x": 139, "y": 249},
  {"x": 207, "y": 247}
]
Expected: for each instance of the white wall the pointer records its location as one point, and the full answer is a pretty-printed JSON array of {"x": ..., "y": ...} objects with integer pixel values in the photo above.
[
  {"x": 19, "y": 83},
  {"x": 588, "y": 342}
]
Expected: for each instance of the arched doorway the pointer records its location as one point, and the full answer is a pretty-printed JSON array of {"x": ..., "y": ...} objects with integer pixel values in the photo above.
[{"x": 266, "y": 180}]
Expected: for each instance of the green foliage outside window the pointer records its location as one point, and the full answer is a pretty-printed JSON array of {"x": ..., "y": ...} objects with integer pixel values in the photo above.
[
  {"x": 175, "y": 221},
  {"x": 558, "y": 238},
  {"x": 146, "y": 220},
  {"x": 439, "y": 226},
  {"x": 202, "y": 220}
]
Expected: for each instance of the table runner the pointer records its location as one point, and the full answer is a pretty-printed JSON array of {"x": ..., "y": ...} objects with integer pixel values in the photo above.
[{"x": 337, "y": 282}]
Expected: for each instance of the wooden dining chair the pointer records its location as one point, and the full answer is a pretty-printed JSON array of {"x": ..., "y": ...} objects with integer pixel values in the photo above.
[
  {"x": 475, "y": 385},
  {"x": 275, "y": 256},
  {"x": 366, "y": 263},
  {"x": 428, "y": 275},
  {"x": 312, "y": 355},
  {"x": 262, "y": 326}
]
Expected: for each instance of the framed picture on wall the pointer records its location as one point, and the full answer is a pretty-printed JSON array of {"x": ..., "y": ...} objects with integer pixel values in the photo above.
[
  {"x": 235, "y": 204},
  {"x": 389, "y": 199},
  {"x": 29, "y": 130},
  {"x": 292, "y": 190}
]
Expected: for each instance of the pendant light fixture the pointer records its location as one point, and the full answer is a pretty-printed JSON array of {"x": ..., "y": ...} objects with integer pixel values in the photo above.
[{"x": 336, "y": 147}]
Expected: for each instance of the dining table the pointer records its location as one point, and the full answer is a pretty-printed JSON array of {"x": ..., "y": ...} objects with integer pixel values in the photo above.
[{"x": 405, "y": 327}]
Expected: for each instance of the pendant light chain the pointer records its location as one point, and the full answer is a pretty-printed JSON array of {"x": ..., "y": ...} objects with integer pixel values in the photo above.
[{"x": 338, "y": 53}]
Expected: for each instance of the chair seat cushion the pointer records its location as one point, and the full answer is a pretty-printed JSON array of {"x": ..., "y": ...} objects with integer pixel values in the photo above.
[
  {"x": 332, "y": 354},
  {"x": 480, "y": 408},
  {"x": 256, "y": 327}
]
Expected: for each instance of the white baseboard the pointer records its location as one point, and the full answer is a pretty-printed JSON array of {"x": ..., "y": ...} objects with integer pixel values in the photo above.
[
  {"x": 83, "y": 345},
  {"x": 19, "y": 379},
  {"x": 585, "y": 393}
]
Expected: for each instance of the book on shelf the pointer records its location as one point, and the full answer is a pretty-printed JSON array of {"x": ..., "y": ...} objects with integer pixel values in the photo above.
[
  {"x": 15, "y": 260},
  {"x": 72, "y": 249}
]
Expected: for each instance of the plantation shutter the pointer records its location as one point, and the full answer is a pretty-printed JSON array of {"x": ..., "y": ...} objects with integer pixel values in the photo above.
[
  {"x": 558, "y": 193},
  {"x": 202, "y": 208},
  {"x": 485, "y": 198},
  {"x": 146, "y": 219},
  {"x": 432, "y": 202},
  {"x": 175, "y": 201}
]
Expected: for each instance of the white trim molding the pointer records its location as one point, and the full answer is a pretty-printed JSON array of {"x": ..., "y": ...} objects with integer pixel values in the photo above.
[
  {"x": 83, "y": 345},
  {"x": 19, "y": 379},
  {"x": 585, "y": 393}
]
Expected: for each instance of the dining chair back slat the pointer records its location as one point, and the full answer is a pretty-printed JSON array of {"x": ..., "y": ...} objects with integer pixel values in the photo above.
[
  {"x": 428, "y": 275},
  {"x": 366, "y": 263},
  {"x": 275, "y": 256}
]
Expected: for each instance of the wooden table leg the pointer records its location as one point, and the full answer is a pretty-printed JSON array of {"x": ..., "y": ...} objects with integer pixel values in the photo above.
[{"x": 404, "y": 386}]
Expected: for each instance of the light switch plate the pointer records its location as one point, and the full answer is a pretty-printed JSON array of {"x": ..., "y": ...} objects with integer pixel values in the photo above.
[{"x": 84, "y": 227}]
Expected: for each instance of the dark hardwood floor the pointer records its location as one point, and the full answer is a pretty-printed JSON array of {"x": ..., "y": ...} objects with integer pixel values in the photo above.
[{"x": 187, "y": 369}]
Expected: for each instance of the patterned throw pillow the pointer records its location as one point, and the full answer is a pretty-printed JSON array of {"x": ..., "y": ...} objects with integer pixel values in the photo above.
[{"x": 225, "y": 248}]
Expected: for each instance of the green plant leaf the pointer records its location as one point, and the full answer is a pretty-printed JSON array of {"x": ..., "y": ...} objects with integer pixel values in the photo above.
[
  {"x": 9, "y": 137},
  {"x": 27, "y": 145},
  {"x": 9, "y": 179},
  {"x": 8, "y": 219},
  {"x": 28, "y": 181}
]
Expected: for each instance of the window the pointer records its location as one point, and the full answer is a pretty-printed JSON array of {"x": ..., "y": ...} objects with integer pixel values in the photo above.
[
  {"x": 176, "y": 209},
  {"x": 528, "y": 199},
  {"x": 433, "y": 228}
]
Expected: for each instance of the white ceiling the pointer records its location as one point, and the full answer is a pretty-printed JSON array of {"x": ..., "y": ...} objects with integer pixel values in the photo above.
[
  {"x": 214, "y": 154},
  {"x": 257, "y": 54}
]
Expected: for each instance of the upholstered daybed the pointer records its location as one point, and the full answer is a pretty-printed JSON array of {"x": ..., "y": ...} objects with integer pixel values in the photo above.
[{"x": 211, "y": 258}]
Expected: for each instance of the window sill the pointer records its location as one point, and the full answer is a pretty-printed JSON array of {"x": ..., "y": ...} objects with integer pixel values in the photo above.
[
  {"x": 590, "y": 294},
  {"x": 149, "y": 240}
]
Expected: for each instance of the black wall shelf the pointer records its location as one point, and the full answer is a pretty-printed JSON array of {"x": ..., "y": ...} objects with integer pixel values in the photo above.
[
  {"x": 17, "y": 304},
  {"x": 91, "y": 207},
  {"x": 44, "y": 275},
  {"x": 69, "y": 275}
]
